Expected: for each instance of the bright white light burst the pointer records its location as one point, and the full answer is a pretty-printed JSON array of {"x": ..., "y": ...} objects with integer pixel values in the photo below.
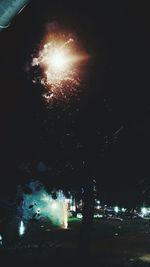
[
  {"x": 58, "y": 61},
  {"x": 61, "y": 66}
]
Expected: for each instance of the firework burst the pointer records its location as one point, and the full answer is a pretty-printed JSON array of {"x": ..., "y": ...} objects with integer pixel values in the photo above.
[{"x": 61, "y": 60}]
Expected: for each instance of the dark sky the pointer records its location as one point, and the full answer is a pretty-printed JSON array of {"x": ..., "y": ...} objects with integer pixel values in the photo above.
[{"x": 78, "y": 140}]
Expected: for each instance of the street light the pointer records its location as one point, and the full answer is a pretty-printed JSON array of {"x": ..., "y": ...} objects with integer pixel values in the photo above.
[
  {"x": 144, "y": 211},
  {"x": 116, "y": 209}
]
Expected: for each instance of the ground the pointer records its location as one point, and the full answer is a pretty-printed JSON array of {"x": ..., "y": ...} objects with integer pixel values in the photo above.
[{"x": 114, "y": 243}]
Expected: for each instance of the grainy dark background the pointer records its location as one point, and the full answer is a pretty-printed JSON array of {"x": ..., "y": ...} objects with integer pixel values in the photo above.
[{"x": 117, "y": 36}]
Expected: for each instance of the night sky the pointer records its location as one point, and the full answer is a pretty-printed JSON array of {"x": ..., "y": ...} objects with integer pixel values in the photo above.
[{"x": 79, "y": 139}]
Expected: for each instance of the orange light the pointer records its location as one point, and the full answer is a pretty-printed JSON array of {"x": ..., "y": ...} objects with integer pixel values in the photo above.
[{"x": 60, "y": 60}]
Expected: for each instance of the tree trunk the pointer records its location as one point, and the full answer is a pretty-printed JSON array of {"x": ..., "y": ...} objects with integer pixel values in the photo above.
[{"x": 87, "y": 221}]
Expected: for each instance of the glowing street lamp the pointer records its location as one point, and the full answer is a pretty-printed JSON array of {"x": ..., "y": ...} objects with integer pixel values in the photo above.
[
  {"x": 116, "y": 209},
  {"x": 79, "y": 216},
  {"x": 123, "y": 209},
  {"x": 144, "y": 211}
]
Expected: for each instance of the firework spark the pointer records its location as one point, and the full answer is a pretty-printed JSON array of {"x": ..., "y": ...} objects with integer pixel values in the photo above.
[{"x": 60, "y": 60}]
